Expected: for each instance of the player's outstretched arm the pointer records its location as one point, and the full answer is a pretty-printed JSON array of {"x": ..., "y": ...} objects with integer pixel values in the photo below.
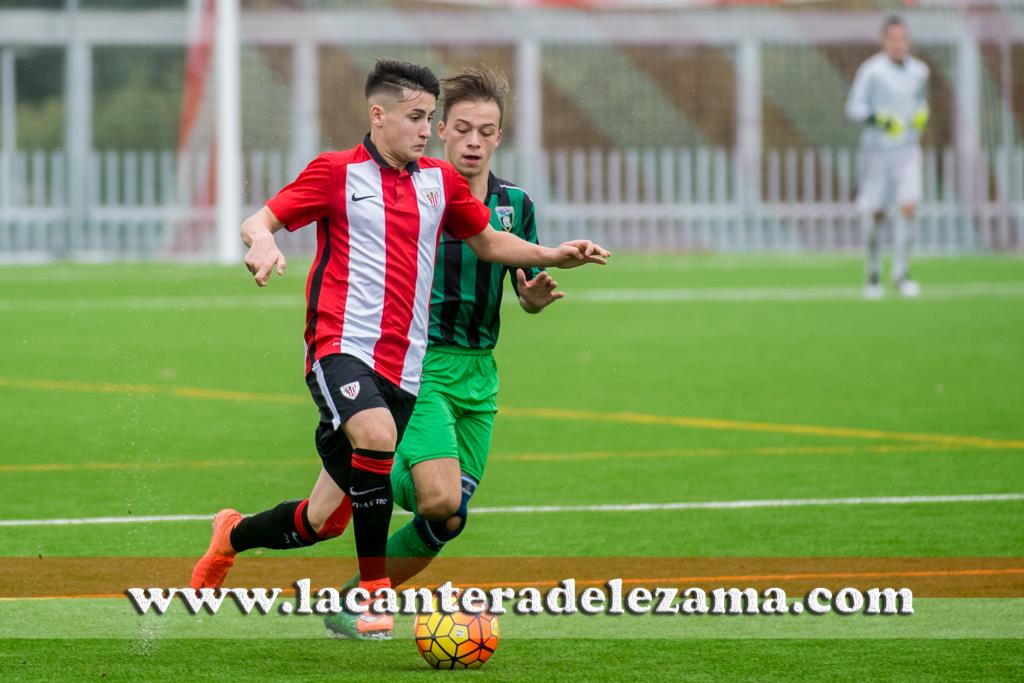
[
  {"x": 263, "y": 255},
  {"x": 507, "y": 249}
]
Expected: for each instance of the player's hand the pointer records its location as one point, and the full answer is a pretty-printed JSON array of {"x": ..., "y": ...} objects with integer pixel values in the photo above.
[
  {"x": 537, "y": 293},
  {"x": 919, "y": 121},
  {"x": 263, "y": 258},
  {"x": 891, "y": 124},
  {"x": 578, "y": 252}
]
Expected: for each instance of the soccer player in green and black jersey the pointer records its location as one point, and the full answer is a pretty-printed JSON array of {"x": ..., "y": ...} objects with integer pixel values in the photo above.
[{"x": 442, "y": 455}]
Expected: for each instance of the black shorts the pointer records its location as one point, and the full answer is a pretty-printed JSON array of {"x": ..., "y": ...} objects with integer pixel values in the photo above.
[{"x": 342, "y": 385}]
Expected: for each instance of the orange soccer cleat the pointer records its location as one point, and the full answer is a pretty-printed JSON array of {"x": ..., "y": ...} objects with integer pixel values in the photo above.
[
  {"x": 212, "y": 567},
  {"x": 370, "y": 624}
]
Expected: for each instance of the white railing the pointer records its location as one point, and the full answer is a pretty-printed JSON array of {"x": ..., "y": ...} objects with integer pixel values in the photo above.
[
  {"x": 159, "y": 204},
  {"x": 138, "y": 205},
  {"x": 703, "y": 199}
]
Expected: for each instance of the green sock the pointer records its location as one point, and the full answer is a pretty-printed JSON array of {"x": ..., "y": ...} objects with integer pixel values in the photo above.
[{"x": 408, "y": 555}]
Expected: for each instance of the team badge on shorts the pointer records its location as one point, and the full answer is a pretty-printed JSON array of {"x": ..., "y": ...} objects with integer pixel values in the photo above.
[
  {"x": 506, "y": 215},
  {"x": 432, "y": 195},
  {"x": 350, "y": 390}
]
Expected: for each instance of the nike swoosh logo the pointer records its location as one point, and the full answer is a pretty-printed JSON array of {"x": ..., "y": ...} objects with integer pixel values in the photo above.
[
  {"x": 359, "y": 199},
  {"x": 353, "y": 492},
  {"x": 367, "y": 618}
]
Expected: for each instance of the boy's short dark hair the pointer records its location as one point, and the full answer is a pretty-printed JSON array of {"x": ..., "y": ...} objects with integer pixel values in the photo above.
[
  {"x": 392, "y": 76},
  {"x": 475, "y": 85},
  {"x": 892, "y": 20}
]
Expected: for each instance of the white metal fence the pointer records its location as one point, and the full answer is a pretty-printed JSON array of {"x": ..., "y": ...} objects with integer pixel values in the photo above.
[
  {"x": 151, "y": 204},
  {"x": 701, "y": 199}
]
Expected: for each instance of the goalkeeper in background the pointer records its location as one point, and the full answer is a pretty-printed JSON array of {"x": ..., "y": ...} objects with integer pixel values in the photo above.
[
  {"x": 442, "y": 455},
  {"x": 889, "y": 96}
]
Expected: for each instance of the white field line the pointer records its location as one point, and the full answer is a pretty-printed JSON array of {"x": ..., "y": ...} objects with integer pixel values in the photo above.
[
  {"x": 628, "y": 507},
  {"x": 967, "y": 290},
  {"x": 640, "y": 262},
  {"x": 80, "y": 521},
  {"x": 183, "y": 303},
  {"x": 748, "y": 504},
  {"x": 822, "y": 293}
]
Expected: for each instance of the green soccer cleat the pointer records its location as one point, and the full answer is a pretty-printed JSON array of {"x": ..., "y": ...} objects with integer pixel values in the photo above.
[
  {"x": 342, "y": 625},
  {"x": 345, "y": 625},
  {"x": 370, "y": 625}
]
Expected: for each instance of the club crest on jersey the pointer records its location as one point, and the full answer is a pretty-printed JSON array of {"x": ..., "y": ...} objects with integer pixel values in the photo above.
[
  {"x": 506, "y": 216},
  {"x": 432, "y": 195},
  {"x": 350, "y": 390}
]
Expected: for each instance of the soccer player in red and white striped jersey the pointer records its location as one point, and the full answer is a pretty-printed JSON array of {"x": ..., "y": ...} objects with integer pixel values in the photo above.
[{"x": 379, "y": 208}]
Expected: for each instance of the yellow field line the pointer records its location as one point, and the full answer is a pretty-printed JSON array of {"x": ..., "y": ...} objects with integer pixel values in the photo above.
[
  {"x": 507, "y": 457},
  {"x": 690, "y": 580},
  {"x": 712, "y": 452},
  {"x": 181, "y": 392},
  {"x": 771, "y": 427},
  {"x": 662, "y": 580},
  {"x": 183, "y": 464},
  {"x": 550, "y": 414}
]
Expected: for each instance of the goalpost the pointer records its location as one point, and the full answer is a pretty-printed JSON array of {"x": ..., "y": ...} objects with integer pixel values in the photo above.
[{"x": 229, "y": 124}]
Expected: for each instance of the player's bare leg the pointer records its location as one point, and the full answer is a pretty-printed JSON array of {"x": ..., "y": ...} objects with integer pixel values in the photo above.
[
  {"x": 438, "y": 485},
  {"x": 324, "y": 500},
  {"x": 904, "y": 232},
  {"x": 873, "y": 224},
  {"x": 438, "y": 489}
]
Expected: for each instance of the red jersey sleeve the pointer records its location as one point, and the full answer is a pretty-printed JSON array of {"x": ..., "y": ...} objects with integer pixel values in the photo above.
[
  {"x": 305, "y": 200},
  {"x": 464, "y": 214}
]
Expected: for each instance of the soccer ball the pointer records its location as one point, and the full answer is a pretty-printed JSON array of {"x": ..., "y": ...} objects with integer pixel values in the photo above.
[{"x": 456, "y": 641}]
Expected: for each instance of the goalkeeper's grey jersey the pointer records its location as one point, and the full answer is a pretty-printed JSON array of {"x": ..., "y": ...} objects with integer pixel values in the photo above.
[{"x": 883, "y": 86}]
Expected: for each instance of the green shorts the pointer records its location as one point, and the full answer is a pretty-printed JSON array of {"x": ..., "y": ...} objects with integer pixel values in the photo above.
[{"x": 453, "y": 417}]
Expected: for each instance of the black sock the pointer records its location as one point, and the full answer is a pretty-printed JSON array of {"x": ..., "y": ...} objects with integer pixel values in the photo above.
[
  {"x": 280, "y": 528},
  {"x": 372, "y": 502}
]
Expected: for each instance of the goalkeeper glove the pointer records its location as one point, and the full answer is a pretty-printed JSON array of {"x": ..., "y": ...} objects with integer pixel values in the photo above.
[
  {"x": 919, "y": 121},
  {"x": 890, "y": 124}
]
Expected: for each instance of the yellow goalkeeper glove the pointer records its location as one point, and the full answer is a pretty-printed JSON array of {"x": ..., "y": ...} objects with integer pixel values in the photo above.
[
  {"x": 919, "y": 121},
  {"x": 891, "y": 124}
]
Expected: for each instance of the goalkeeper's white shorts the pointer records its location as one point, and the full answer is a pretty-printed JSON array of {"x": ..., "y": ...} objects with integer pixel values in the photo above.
[{"x": 889, "y": 178}]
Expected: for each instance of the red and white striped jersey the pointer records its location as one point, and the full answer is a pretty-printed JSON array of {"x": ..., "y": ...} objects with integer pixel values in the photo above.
[{"x": 368, "y": 291}]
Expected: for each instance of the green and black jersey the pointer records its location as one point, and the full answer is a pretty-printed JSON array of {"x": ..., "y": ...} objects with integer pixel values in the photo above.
[{"x": 466, "y": 297}]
